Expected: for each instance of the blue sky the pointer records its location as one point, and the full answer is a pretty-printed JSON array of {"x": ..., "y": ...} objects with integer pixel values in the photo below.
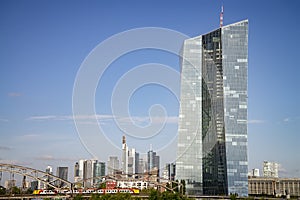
[{"x": 43, "y": 44}]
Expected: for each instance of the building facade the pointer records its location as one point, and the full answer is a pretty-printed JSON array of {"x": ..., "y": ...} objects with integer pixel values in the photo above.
[
  {"x": 255, "y": 172},
  {"x": 152, "y": 161},
  {"x": 270, "y": 169},
  {"x": 113, "y": 165},
  {"x": 130, "y": 159},
  {"x": 88, "y": 173},
  {"x": 169, "y": 171},
  {"x": 212, "y": 130},
  {"x": 274, "y": 186},
  {"x": 62, "y": 172}
]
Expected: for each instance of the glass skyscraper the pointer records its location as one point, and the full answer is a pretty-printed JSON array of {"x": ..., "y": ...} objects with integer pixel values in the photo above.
[{"x": 212, "y": 131}]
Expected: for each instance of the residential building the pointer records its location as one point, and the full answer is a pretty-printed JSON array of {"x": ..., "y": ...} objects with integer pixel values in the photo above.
[
  {"x": 270, "y": 169},
  {"x": 212, "y": 129}
]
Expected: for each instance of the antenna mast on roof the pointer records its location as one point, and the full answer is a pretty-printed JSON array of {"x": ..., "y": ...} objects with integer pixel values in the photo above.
[{"x": 221, "y": 16}]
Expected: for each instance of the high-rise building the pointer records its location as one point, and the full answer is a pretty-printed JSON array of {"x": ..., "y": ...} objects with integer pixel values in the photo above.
[
  {"x": 212, "y": 130},
  {"x": 76, "y": 172},
  {"x": 171, "y": 167},
  {"x": 62, "y": 172},
  {"x": 142, "y": 168},
  {"x": 152, "y": 161},
  {"x": 113, "y": 165},
  {"x": 124, "y": 156},
  {"x": 130, "y": 159},
  {"x": 88, "y": 172},
  {"x": 98, "y": 171},
  {"x": 270, "y": 169}
]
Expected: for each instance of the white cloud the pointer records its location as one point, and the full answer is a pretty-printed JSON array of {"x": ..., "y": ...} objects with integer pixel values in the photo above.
[
  {"x": 3, "y": 120},
  {"x": 42, "y": 118},
  {"x": 5, "y": 148},
  {"x": 86, "y": 119},
  {"x": 68, "y": 117},
  {"x": 286, "y": 119},
  {"x": 30, "y": 135},
  {"x": 52, "y": 158},
  {"x": 14, "y": 162},
  {"x": 255, "y": 121},
  {"x": 14, "y": 94}
]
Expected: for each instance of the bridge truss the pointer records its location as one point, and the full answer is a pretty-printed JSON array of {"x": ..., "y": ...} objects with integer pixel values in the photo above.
[
  {"x": 59, "y": 183},
  {"x": 46, "y": 178}
]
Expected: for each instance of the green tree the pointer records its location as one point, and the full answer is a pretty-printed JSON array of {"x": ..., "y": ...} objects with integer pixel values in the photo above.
[
  {"x": 154, "y": 195},
  {"x": 78, "y": 197},
  {"x": 15, "y": 190},
  {"x": 28, "y": 191},
  {"x": 2, "y": 190},
  {"x": 95, "y": 197},
  {"x": 102, "y": 185}
]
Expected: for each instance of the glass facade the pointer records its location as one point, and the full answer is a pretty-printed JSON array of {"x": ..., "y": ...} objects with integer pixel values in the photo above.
[{"x": 212, "y": 139}]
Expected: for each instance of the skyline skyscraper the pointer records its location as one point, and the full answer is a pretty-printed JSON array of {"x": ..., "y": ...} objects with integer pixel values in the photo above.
[
  {"x": 212, "y": 129},
  {"x": 153, "y": 161},
  {"x": 62, "y": 172},
  {"x": 130, "y": 159},
  {"x": 113, "y": 165}
]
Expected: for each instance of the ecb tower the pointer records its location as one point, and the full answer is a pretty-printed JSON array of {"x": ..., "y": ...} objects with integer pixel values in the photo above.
[{"x": 212, "y": 130}]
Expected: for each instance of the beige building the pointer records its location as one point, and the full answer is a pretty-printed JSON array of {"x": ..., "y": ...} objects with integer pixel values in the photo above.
[{"x": 274, "y": 186}]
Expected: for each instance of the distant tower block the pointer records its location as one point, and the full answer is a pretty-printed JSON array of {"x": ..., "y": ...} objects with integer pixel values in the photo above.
[{"x": 123, "y": 139}]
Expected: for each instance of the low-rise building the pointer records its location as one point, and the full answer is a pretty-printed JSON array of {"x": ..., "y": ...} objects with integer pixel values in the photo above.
[
  {"x": 274, "y": 186},
  {"x": 132, "y": 184}
]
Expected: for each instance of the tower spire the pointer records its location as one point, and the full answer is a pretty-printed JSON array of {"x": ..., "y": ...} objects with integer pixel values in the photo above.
[{"x": 221, "y": 16}]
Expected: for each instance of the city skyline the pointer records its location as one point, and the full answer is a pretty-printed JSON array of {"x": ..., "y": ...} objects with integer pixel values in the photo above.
[{"x": 44, "y": 45}]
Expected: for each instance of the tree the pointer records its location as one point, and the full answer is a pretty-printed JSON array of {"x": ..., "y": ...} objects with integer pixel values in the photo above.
[
  {"x": 154, "y": 195},
  {"x": 2, "y": 190},
  {"x": 15, "y": 190},
  {"x": 102, "y": 186},
  {"x": 78, "y": 197}
]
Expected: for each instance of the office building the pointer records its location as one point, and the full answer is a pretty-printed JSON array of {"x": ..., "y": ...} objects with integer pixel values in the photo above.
[
  {"x": 270, "y": 169},
  {"x": 171, "y": 167},
  {"x": 142, "y": 167},
  {"x": 130, "y": 159},
  {"x": 212, "y": 129},
  {"x": 98, "y": 171},
  {"x": 88, "y": 173},
  {"x": 152, "y": 161},
  {"x": 113, "y": 165},
  {"x": 62, "y": 172},
  {"x": 76, "y": 172}
]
